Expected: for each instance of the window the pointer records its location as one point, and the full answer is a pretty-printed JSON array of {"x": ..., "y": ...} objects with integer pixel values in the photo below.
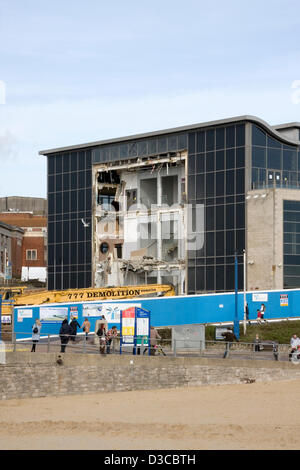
[{"x": 31, "y": 255}]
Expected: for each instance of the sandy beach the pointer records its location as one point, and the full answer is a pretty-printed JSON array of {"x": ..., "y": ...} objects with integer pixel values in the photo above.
[{"x": 244, "y": 416}]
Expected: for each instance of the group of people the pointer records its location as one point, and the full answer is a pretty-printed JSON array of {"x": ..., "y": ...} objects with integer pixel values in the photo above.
[
  {"x": 260, "y": 313},
  {"x": 68, "y": 331}
]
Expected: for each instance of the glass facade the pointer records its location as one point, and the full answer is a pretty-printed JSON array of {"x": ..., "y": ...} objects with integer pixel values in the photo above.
[
  {"x": 69, "y": 220},
  {"x": 216, "y": 180},
  {"x": 274, "y": 164},
  {"x": 216, "y": 183},
  {"x": 291, "y": 247}
]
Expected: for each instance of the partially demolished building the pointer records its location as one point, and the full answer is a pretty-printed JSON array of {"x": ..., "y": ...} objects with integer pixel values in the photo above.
[{"x": 173, "y": 206}]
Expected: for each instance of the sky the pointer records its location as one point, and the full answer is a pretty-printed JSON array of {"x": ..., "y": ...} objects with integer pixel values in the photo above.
[{"x": 75, "y": 71}]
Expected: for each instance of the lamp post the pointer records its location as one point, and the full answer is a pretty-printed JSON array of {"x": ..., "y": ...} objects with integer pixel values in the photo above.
[
  {"x": 236, "y": 327},
  {"x": 245, "y": 322}
]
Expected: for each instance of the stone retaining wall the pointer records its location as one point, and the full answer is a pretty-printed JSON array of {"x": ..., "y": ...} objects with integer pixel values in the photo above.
[{"x": 35, "y": 375}]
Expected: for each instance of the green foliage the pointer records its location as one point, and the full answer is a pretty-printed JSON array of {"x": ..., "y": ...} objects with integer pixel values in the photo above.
[{"x": 280, "y": 332}]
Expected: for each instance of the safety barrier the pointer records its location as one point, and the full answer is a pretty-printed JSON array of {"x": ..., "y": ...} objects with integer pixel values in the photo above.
[{"x": 89, "y": 344}]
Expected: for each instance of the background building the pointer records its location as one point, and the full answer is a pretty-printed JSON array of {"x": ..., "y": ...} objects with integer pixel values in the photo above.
[
  {"x": 117, "y": 209},
  {"x": 31, "y": 256}
]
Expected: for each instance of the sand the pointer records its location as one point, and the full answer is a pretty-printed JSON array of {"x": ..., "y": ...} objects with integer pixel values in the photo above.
[{"x": 243, "y": 416}]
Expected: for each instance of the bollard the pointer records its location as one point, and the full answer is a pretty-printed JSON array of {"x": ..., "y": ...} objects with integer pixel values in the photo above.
[
  {"x": 175, "y": 353},
  {"x": 14, "y": 342},
  {"x": 48, "y": 344},
  {"x": 84, "y": 344}
]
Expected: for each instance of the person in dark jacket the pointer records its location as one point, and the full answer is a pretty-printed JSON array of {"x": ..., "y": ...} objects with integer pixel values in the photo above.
[
  {"x": 64, "y": 334},
  {"x": 74, "y": 325}
]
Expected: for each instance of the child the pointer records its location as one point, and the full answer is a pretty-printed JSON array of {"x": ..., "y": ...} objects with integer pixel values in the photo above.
[{"x": 258, "y": 316}]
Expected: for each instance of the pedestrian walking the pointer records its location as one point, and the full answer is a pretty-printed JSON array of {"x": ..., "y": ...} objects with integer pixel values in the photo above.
[
  {"x": 74, "y": 325},
  {"x": 111, "y": 335},
  {"x": 257, "y": 344},
  {"x": 36, "y": 331},
  {"x": 258, "y": 312},
  {"x": 64, "y": 334},
  {"x": 247, "y": 312},
  {"x": 154, "y": 336},
  {"x": 86, "y": 327},
  {"x": 102, "y": 337},
  {"x": 262, "y": 311}
]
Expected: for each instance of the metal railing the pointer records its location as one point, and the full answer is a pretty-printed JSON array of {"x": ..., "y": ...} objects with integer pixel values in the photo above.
[{"x": 90, "y": 344}]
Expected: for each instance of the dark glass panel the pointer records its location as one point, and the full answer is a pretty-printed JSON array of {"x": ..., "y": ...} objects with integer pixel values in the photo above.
[
  {"x": 262, "y": 177},
  {"x": 200, "y": 286},
  {"x": 81, "y": 160},
  {"x": 191, "y": 164},
  {"x": 66, "y": 162},
  {"x": 182, "y": 141},
  {"x": 200, "y": 162},
  {"x": 200, "y": 141},
  {"x": 152, "y": 146},
  {"x": 240, "y": 181},
  {"x": 73, "y": 201},
  {"x": 229, "y": 242},
  {"x": 51, "y": 183},
  {"x": 210, "y": 243},
  {"x": 210, "y": 218},
  {"x": 81, "y": 201},
  {"x": 230, "y": 163},
  {"x": 132, "y": 149},
  {"x": 210, "y": 184},
  {"x": 220, "y": 243},
  {"x": 210, "y": 140},
  {"x": 74, "y": 180},
  {"x": 240, "y": 240},
  {"x": 230, "y": 182},
  {"x": 229, "y": 216},
  {"x": 220, "y": 218},
  {"x": 73, "y": 161},
  {"x": 192, "y": 142},
  {"x": 88, "y": 200},
  {"x": 258, "y": 136},
  {"x": 58, "y": 233},
  {"x": 199, "y": 186},
  {"x": 220, "y": 138},
  {"x": 240, "y": 157},
  {"x": 230, "y": 137},
  {"x": 50, "y": 255},
  {"x": 291, "y": 205},
  {"x": 66, "y": 181},
  {"x": 66, "y": 202},
  {"x": 220, "y": 186},
  {"x": 88, "y": 159},
  {"x": 274, "y": 159},
  {"x": 191, "y": 279},
  {"x": 124, "y": 151},
  {"x": 290, "y": 160},
  {"x": 258, "y": 157},
  {"x": 88, "y": 179},
  {"x": 240, "y": 215},
  {"x": 66, "y": 232},
  {"x": 58, "y": 203},
  {"x": 51, "y": 233},
  {"x": 210, "y": 161},
  {"x": 240, "y": 135},
  {"x": 142, "y": 148},
  {"x": 191, "y": 187},
  {"x": 220, "y": 160},
  {"x": 58, "y": 168},
  {"x": 273, "y": 143},
  {"x": 58, "y": 183},
  {"x": 51, "y": 165},
  {"x": 210, "y": 278},
  {"x": 220, "y": 278},
  {"x": 229, "y": 277},
  {"x": 172, "y": 143}
]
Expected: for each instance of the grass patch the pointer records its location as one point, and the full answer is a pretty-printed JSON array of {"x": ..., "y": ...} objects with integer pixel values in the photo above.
[{"x": 280, "y": 332}]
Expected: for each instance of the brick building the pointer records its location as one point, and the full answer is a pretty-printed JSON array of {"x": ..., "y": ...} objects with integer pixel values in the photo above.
[{"x": 33, "y": 253}]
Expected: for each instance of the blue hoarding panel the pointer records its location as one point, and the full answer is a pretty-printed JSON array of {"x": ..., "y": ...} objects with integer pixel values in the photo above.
[{"x": 165, "y": 311}]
